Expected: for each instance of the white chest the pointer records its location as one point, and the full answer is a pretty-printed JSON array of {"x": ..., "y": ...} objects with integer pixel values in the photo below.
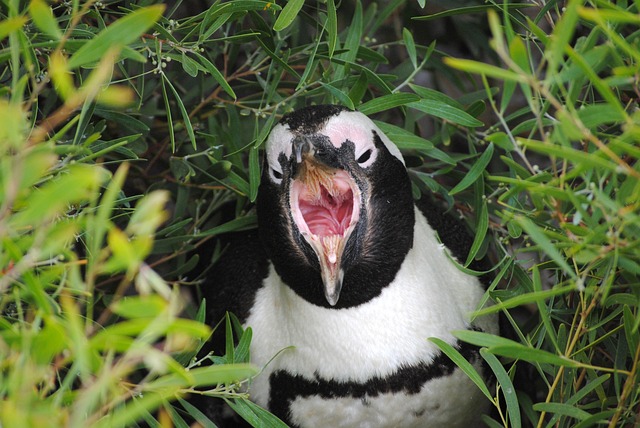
[{"x": 429, "y": 298}]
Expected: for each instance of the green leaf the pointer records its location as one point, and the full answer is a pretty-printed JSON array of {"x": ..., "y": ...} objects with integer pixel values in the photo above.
[
  {"x": 189, "y": 65},
  {"x": 342, "y": 97},
  {"x": 199, "y": 417},
  {"x": 445, "y": 111},
  {"x": 76, "y": 185},
  {"x": 432, "y": 94},
  {"x": 631, "y": 323},
  {"x": 532, "y": 355},
  {"x": 488, "y": 70},
  {"x": 185, "y": 115},
  {"x": 561, "y": 37},
  {"x": 387, "y": 102},
  {"x": 469, "y": 10},
  {"x": 479, "y": 233},
  {"x": 482, "y": 339},
  {"x": 203, "y": 376},
  {"x": 476, "y": 170},
  {"x": 240, "y": 223},
  {"x": 545, "y": 244},
  {"x": 254, "y": 173},
  {"x": 149, "y": 306},
  {"x": 525, "y": 299},
  {"x": 288, "y": 14},
  {"x": 216, "y": 74},
  {"x": 43, "y": 17},
  {"x": 332, "y": 26},
  {"x": 463, "y": 364},
  {"x": 351, "y": 43},
  {"x": 255, "y": 415},
  {"x": 122, "y": 32},
  {"x": 598, "y": 114},
  {"x": 410, "y": 45},
  {"x": 562, "y": 409},
  {"x": 404, "y": 139},
  {"x": 506, "y": 386},
  {"x": 10, "y": 25}
]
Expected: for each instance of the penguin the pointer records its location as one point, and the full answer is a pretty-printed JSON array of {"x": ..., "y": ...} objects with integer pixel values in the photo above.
[{"x": 346, "y": 279}]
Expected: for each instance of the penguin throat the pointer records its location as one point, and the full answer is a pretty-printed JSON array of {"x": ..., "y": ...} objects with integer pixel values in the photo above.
[{"x": 325, "y": 207}]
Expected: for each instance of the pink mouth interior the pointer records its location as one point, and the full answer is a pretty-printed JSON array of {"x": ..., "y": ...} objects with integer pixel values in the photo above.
[
  {"x": 327, "y": 215},
  {"x": 329, "y": 211}
]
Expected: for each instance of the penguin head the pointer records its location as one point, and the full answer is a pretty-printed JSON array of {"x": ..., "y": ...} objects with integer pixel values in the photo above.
[{"x": 335, "y": 210}]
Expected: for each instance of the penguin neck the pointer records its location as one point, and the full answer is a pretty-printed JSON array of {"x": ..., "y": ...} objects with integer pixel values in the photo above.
[{"x": 429, "y": 297}]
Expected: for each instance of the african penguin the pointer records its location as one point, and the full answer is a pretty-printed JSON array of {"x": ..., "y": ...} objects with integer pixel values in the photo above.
[{"x": 347, "y": 280}]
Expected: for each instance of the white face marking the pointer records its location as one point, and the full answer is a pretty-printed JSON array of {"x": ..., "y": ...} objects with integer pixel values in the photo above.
[
  {"x": 279, "y": 142},
  {"x": 348, "y": 125},
  {"x": 358, "y": 128},
  {"x": 372, "y": 339}
]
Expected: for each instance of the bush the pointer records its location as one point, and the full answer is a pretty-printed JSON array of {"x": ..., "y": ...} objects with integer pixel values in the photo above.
[{"x": 128, "y": 126}]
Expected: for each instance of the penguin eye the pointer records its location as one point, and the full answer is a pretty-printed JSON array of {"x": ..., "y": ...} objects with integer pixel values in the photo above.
[
  {"x": 276, "y": 174},
  {"x": 364, "y": 157}
]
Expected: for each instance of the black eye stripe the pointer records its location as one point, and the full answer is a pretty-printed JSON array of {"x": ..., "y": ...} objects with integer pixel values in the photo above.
[{"x": 365, "y": 156}]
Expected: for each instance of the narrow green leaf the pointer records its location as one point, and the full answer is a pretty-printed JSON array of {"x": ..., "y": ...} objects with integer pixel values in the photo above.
[
  {"x": 77, "y": 185},
  {"x": 167, "y": 109},
  {"x": 199, "y": 417},
  {"x": 539, "y": 237},
  {"x": 43, "y": 17},
  {"x": 216, "y": 74},
  {"x": 404, "y": 139},
  {"x": 185, "y": 115},
  {"x": 631, "y": 328},
  {"x": 238, "y": 224},
  {"x": 561, "y": 37},
  {"x": 463, "y": 364},
  {"x": 203, "y": 376},
  {"x": 229, "y": 340},
  {"x": 469, "y": 10},
  {"x": 332, "y": 26},
  {"x": 255, "y": 415},
  {"x": 476, "y": 170},
  {"x": 8, "y": 26},
  {"x": 562, "y": 409},
  {"x": 480, "y": 232},
  {"x": 432, "y": 94},
  {"x": 482, "y": 339},
  {"x": 410, "y": 45},
  {"x": 254, "y": 173},
  {"x": 122, "y": 32},
  {"x": 342, "y": 97},
  {"x": 532, "y": 355},
  {"x": 599, "y": 418},
  {"x": 242, "y": 350},
  {"x": 446, "y": 111},
  {"x": 140, "y": 306},
  {"x": 387, "y": 102},
  {"x": 507, "y": 388},
  {"x": 351, "y": 43},
  {"x": 488, "y": 70},
  {"x": 288, "y": 14},
  {"x": 189, "y": 65},
  {"x": 542, "y": 307},
  {"x": 525, "y": 299}
]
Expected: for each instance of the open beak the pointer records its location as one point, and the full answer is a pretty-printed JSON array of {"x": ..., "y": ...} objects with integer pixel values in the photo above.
[{"x": 325, "y": 203}]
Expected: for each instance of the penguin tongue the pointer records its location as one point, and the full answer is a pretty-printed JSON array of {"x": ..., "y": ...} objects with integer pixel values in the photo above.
[{"x": 325, "y": 208}]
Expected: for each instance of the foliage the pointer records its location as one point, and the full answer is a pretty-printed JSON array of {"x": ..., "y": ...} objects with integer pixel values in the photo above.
[{"x": 531, "y": 136}]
